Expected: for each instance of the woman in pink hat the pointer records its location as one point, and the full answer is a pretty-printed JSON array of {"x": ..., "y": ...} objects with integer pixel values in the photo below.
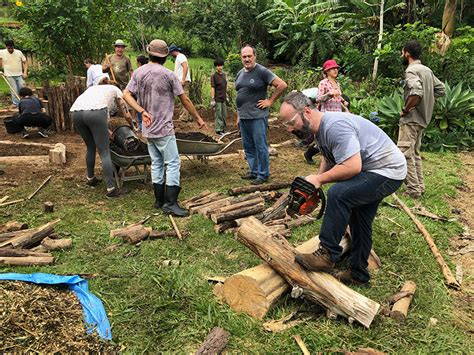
[{"x": 329, "y": 91}]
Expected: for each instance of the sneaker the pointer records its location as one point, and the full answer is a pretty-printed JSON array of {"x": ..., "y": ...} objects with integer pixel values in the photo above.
[
  {"x": 346, "y": 278},
  {"x": 42, "y": 133},
  {"x": 320, "y": 260},
  {"x": 248, "y": 176},
  {"x": 116, "y": 192},
  {"x": 93, "y": 182},
  {"x": 259, "y": 181},
  {"x": 24, "y": 134}
]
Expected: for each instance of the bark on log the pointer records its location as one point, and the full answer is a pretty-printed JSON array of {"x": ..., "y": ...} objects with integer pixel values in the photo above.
[
  {"x": 164, "y": 234},
  {"x": 48, "y": 207},
  {"x": 26, "y": 260},
  {"x": 56, "y": 244},
  {"x": 239, "y": 205},
  {"x": 22, "y": 252},
  {"x": 448, "y": 276},
  {"x": 314, "y": 286},
  {"x": 214, "y": 196},
  {"x": 12, "y": 226},
  {"x": 202, "y": 209},
  {"x": 300, "y": 221},
  {"x": 400, "y": 308},
  {"x": 29, "y": 237},
  {"x": 132, "y": 234},
  {"x": 212, "y": 207},
  {"x": 197, "y": 197},
  {"x": 254, "y": 291},
  {"x": 253, "y": 188},
  {"x": 277, "y": 211},
  {"x": 215, "y": 342},
  {"x": 236, "y": 214}
]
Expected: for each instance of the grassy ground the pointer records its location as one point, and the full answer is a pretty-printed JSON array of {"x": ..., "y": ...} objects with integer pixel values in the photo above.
[{"x": 157, "y": 308}]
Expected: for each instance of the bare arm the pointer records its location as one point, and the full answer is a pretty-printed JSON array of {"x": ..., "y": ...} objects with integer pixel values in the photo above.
[
  {"x": 188, "y": 105},
  {"x": 280, "y": 87},
  {"x": 25, "y": 69},
  {"x": 323, "y": 166},
  {"x": 125, "y": 113},
  {"x": 185, "y": 72},
  {"x": 147, "y": 118},
  {"x": 340, "y": 172}
]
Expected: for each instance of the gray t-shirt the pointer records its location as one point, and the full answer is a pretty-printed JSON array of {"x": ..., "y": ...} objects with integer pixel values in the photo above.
[
  {"x": 251, "y": 87},
  {"x": 341, "y": 135},
  {"x": 155, "y": 87}
]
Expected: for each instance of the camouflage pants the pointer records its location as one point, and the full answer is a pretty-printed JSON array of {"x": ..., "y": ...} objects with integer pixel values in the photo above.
[{"x": 409, "y": 142}]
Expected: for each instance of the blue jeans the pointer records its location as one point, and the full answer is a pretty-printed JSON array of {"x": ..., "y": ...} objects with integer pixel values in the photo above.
[
  {"x": 254, "y": 140},
  {"x": 354, "y": 202},
  {"x": 16, "y": 83},
  {"x": 165, "y": 162}
]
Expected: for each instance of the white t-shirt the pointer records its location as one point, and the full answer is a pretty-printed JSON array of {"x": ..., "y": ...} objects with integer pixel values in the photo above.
[
  {"x": 97, "y": 97},
  {"x": 178, "y": 67},
  {"x": 95, "y": 75},
  {"x": 12, "y": 62}
]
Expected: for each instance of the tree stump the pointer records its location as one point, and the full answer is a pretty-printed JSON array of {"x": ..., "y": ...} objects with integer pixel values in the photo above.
[{"x": 48, "y": 207}]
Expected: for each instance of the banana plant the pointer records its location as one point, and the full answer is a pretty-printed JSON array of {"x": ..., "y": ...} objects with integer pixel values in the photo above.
[{"x": 455, "y": 108}]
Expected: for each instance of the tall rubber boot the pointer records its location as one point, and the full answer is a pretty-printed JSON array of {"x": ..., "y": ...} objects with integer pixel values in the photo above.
[
  {"x": 159, "y": 190},
  {"x": 171, "y": 202}
]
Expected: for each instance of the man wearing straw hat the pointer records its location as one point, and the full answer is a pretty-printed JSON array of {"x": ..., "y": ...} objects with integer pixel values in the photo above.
[
  {"x": 119, "y": 65},
  {"x": 156, "y": 87},
  {"x": 15, "y": 69}
]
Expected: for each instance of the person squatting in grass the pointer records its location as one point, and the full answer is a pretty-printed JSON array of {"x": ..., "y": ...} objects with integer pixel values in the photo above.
[
  {"x": 421, "y": 88},
  {"x": 156, "y": 87},
  {"x": 365, "y": 165},
  {"x": 31, "y": 113},
  {"x": 90, "y": 113},
  {"x": 219, "y": 96}
]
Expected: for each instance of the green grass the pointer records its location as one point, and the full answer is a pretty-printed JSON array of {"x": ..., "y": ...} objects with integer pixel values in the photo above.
[{"x": 156, "y": 308}]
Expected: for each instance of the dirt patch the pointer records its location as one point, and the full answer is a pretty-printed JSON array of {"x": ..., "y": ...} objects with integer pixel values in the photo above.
[
  {"x": 19, "y": 150},
  {"x": 44, "y": 319},
  {"x": 194, "y": 136}
]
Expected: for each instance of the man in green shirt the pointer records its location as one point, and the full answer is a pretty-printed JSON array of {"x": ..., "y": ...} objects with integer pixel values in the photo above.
[
  {"x": 420, "y": 90},
  {"x": 119, "y": 65}
]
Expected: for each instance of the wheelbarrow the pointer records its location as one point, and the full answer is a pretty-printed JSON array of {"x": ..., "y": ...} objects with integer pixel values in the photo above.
[{"x": 136, "y": 167}]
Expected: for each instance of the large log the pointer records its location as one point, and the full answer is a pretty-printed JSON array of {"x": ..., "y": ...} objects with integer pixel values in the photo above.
[
  {"x": 448, "y": 276},
  {"x": 26, "y": 260},
  {"x": 253, "y": 188},
  {"x": 12, "y": 226},
  {"x": 317, "y": 287},
  {"x": 215, "y": 342},
  {"x": 56, "y": 244},
  {"x": 254, "y": 291},
  {"x": 29, "y": 237},
  {"x": 236, "y": 214},
  {"x": 21, "y": 252},
  {"x": 400, "y": 308},
  {"x": 132, "y": 234}
]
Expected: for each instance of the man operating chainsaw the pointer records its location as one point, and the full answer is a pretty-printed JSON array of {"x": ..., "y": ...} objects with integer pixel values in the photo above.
[{"x": 365, "y": 166}]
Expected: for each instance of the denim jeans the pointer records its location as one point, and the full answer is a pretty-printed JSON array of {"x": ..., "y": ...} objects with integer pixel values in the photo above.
[
  {"x": 165, "y": 162},
  {"x": 354, "y": 202},
  {"x": 16, "y": 83},
  {"x": 254, "y": 140}
]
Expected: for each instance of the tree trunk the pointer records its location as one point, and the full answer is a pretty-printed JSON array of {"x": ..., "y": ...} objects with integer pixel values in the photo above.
[
  {"x": 29, "y": 237},
  {"x": 315, "y": 286},
  {"x": 254, "y": 291},
  {"x": 215, "y": 342},
  {"x": 400, "y": 308},
  {"x": 449, "y": 17},
  {"x": 236, "y": 214},
  {"x": 379, "y": 41},
  {"x": 253, "y": 188}
]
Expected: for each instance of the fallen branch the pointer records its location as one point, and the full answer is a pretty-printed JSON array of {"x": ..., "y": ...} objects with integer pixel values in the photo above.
[
  {"x": 448, "y": 276},
  {"x": 175, "y": 227},
  {"x": 400, "y": 308},
  {"x": 11, "y": 202},
  {"x": 301, "y": 344},
  {"x": 39, "y": 187}
]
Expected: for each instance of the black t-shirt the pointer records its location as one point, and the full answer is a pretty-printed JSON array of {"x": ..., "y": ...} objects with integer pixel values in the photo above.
[
  {"x": 30, "y": 104},
  {"x": 219, "y": 83}
]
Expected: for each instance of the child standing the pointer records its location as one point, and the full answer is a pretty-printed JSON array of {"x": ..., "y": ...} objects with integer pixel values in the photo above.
[{"x": 219, "y": 96}]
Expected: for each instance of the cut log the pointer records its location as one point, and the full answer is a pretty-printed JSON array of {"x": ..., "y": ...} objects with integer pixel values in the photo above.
[
  {"x": 197, "y": 197},
  {"x": 26, "y": 260},
  {"x": 400, "y": 308},
  {"x": 300, "y": 221},
  {"x": 278, "y": 210},
  {"x": 236, "y": 214},
  {"x": 214, "y": 196},
  {"x": 317, "y": 287},
  {"x": 22, "y": 252},
  {"x": 30, "y": 237},
  {"x": 277, "y": 222},
  {"x": 12, "y": 226},
  {"x": 222, "y": 227},
  {"x": 215, "y": 342},
  {"x": 132, "y": 234},
  {"x": 448, "y": 276},
  {"x": 213, "y": 207},
  {"x": 48, "y": 207},
  {"x": 57, "y": 155},
  {"x": 271, "y": 195},
  {"x": 203, "y": 209},
  {"x": 254, "y": 291},
  {"x": 239, "y": 205},
  {"x": 56, "y": 244},
  {"x": 253, "y": 188}
]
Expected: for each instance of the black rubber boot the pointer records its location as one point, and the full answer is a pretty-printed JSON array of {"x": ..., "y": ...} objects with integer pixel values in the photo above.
[
  {"x": 308, "y": 155},
  {"x": 171, "y": 202},
  {"x": 159, "y": 190}
]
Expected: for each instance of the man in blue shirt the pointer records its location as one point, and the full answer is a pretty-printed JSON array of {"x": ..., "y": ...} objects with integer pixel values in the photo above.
[{"x": 253, "y": 105}]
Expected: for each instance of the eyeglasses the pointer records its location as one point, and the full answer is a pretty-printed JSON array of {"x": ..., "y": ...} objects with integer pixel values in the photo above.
[{"x": 291, "y": 122}]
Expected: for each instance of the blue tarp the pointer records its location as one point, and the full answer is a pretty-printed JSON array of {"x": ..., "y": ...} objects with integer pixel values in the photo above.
[{"x": 94, "y": 312}]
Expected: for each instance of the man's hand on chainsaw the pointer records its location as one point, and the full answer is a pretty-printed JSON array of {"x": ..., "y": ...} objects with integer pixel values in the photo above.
[{"x": 314, "y": 179}]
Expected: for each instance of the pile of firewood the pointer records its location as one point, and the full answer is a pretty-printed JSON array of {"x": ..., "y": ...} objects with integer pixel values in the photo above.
[
  {"x": 22, "y": 246},
  {"x": 228, "y": 212}
]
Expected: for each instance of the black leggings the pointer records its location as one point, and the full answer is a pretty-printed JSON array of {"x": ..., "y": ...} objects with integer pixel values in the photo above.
[{"x": 92, "y": 126}]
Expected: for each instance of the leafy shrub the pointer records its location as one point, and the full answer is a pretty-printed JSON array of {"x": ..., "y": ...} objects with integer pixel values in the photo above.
[
  {"x": 389, "y": 109},
  {"x": 233, "y": 63},
  {"x": 196, "y": 87},
  {"x": 190, "y": 45}
]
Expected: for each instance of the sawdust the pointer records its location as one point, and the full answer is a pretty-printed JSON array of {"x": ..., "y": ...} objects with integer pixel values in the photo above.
[{"x": 44, "y": 319}]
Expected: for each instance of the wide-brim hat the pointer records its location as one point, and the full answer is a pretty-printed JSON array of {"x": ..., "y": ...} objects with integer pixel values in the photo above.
[
  {"x": 119, "y": 42},
  {"x": 174, "y": 47},
  {"x": 158, "y": 48},
  {"x": 330, "y": 64}
]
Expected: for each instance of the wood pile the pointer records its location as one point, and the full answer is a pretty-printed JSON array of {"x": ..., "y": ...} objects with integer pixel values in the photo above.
[
  {"x": 59, "y": 98},
  {"x": 19, "y": 246}
]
